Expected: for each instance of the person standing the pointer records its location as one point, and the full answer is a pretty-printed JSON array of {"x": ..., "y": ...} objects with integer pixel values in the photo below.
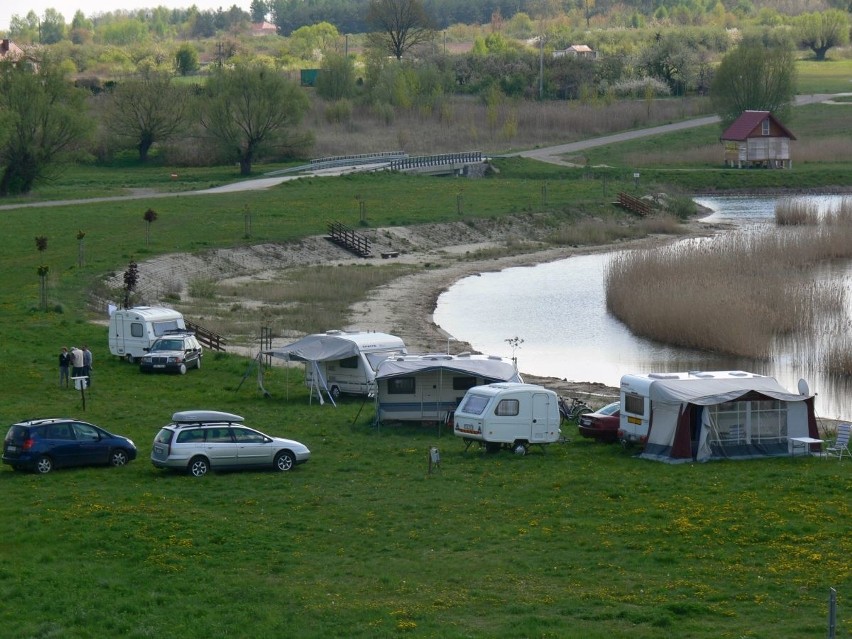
[
  {"x": 76, "y": 362},
  {"x": 87, "y": 365},
  {"x": 64, "y": 365}
]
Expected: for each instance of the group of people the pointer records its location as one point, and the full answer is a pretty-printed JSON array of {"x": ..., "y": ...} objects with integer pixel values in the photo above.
[{"x": 77, "y": 362}]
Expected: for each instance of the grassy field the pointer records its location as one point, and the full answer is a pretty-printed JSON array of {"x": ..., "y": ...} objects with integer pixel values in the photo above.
[{"x": 583, "y": 541}]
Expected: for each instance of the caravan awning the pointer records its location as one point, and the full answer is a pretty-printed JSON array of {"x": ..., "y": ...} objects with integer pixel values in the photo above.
[
  {"x": 717, "y": 391},
  {"x": 316, "y": 348},
  {"x": 486, "y": 368}
]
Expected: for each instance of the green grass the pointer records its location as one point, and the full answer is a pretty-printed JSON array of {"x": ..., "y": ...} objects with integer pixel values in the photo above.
[
  {"x": 830, "y": 76},
  {"x": 584, "y": 541}
]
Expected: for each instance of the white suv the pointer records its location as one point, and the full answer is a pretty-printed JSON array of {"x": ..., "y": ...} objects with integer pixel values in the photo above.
[{"x": 202, "y": 440}]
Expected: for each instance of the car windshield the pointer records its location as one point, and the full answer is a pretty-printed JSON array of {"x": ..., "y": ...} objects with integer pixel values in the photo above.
[
  {"x": 167, "y": 345},
  {"x": 609, "y": 409}
]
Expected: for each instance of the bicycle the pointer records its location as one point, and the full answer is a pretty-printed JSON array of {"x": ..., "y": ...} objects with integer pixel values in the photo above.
[{"x": 573, "y": 410}]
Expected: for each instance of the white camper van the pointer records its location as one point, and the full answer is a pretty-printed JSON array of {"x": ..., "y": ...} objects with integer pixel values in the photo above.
[
  {"x": 341, "y": 361},
  {"x": 133, "y": 330},
  {"x": 508, "y": 415}
]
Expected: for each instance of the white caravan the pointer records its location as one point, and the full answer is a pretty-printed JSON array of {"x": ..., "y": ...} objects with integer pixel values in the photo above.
[
  {"x": 508, "y": 415},
  {"x": 431, "y": 387},
  {"x": 133, "y": 330},
  {"x": 341, "y": 361}
]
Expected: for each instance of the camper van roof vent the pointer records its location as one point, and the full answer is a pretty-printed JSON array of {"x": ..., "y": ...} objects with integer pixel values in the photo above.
[
  {"x": 663, "y": 375},
  {"x": 702, "y": 374},
  {"x": 464, "y": 354},
  {"x": 739, "y": 374},
  {"x": 494, "y": 357}
]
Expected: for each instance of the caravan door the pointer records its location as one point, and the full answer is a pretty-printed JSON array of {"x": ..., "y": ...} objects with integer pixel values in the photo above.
[
  {"x": 429, "y": 397},
  {"x": 540, "y": 422}
]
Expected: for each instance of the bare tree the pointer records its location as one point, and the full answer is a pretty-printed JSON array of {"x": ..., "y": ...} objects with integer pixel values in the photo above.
[
  {"x": 146, "y": 109},
  {"x": 398, "y": 25}
]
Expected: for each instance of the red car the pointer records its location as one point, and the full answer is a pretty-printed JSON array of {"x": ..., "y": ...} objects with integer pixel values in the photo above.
[{"x": 602, "y": 425}]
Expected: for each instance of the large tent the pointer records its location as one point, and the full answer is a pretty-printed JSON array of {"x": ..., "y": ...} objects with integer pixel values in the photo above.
[{"x": 699, "y": 417}]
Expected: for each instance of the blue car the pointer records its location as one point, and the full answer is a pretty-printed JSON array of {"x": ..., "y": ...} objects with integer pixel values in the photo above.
[{"x": 44, "y": 444}]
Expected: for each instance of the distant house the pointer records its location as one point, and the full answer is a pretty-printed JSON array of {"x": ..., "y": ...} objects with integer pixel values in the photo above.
[
  {"x": 757, "y": 139},
  {"x": 10, "y": 50},
  {"x": 576, "y": 51},
  {"x": 263, "y": 28}
]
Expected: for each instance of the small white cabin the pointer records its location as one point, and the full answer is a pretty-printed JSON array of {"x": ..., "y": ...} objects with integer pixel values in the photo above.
[
  {"x": 133, "y": 330},
  {"x": 430, "y": 387},
  {"x": 508, "y": 415}
]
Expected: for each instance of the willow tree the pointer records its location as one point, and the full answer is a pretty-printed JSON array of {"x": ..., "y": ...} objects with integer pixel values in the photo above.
[
  {"x": 755, "y": 77},
  {"x": 251, "y": 107}
]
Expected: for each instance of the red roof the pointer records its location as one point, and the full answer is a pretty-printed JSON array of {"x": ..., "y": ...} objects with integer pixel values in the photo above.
[{"x": 748, "y": 122}]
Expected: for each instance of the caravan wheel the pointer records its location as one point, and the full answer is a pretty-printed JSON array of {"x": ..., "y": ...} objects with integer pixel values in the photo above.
[
  {"x": 130, "y": 359},
  {"x": 335, "y": 392},
  {"x": 520, "y": 448}
]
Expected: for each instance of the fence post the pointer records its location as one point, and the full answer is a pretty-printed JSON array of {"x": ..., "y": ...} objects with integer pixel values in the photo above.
[{"x": 832, "y": 613}]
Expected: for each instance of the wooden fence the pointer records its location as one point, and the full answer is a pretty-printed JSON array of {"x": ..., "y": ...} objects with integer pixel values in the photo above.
[
  {"x": 349, "y": 239},
  {"x": 205, "y": 337},
  {"x": 634, "y": 204}
]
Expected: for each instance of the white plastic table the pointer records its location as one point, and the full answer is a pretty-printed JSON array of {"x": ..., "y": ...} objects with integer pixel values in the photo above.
[{"x": 802, "y": 442}]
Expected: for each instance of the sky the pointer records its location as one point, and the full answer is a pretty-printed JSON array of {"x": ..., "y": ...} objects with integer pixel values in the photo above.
[{"x": 93, "y": 7}]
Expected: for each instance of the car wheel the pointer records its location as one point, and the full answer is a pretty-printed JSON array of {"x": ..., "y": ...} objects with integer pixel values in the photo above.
[
  {"x": 335, "y": 392},
  {"x": 182, "y": 369},
  {"x": 198, "y": 363},
  {"x": 118, "y": 457},
  {"x": 44, "y": 465},
  {"x": 284, "y": 461},
  {"x": 520, "y": 448},
  {"x": 198, "y": 466}
]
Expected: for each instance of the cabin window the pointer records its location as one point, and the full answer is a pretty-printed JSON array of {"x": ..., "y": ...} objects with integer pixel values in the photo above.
[
  {"x": 764, "y": 127},
  {"x": 401, "y": 386},
  {"x": 634, "y": 404},
  {"x": 136, "y": 329},
  {"x": 463, "y": 383},
  {"x": 508, "y": 408},
  {"x": 349, "y": 362}
]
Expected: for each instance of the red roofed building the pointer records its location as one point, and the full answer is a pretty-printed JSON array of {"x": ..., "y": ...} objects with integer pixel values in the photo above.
[
  {"x": 263, "y": 28},
  {"x": 757, "y": 138},
  {"x": 10, "y": 50}
]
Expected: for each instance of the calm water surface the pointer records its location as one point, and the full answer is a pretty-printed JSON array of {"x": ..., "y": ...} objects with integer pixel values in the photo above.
[{"x": 558, "y": 309}]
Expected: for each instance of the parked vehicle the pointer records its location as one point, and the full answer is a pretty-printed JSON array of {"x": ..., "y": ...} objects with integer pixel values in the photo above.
[
  {"x": 431, "y": 387},
  {"x": 601, "y": 425},
  {"x": 45, "y": 444},
  {"x": 175, "y": 352},
  {"x": 508, "y": 415},
  {"x": 132, "y": 330},
  {"x": 341, "y": 361},
  {"x": 198, "y": 441}
]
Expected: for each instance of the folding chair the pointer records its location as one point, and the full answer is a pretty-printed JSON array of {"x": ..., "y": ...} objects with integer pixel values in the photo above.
[{"x": 840, "y": 446}]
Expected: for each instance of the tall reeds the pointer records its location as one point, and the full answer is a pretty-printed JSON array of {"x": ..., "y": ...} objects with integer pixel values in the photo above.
[{"x": 735, "y": 293}]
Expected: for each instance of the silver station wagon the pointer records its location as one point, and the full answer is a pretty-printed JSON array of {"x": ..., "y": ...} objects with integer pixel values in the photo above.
[{"x": 198, "y": 441}]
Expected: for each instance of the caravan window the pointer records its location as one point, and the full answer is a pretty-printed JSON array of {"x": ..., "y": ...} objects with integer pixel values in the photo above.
[
  {"x": 507, "y": 408},
  {"x": 463, "y": 383},
  {"x": 401, "y": 386},
  {"x": 349, "y": 362},
  {"x": 136, "y": 329},
  {"x": 474, "y": 405},
  {"x": 634, "y": 404}
]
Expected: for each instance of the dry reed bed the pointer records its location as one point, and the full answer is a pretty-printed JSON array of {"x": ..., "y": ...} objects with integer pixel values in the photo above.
[{"x": 735, "y": 293}]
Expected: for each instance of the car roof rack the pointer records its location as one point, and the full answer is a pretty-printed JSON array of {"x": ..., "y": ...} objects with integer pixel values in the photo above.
[{"x": 197, "y": 417}]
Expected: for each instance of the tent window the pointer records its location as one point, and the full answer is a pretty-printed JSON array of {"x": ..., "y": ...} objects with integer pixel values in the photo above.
[
  {"x": 768, "y": 420},
  {"x": 401, "y": 386},
  {"x": 634, "y": 404},
  {"x": 349, "y": 362},
  {"x": 507, "y": 408},
  {"x": 463, "y": 383}
]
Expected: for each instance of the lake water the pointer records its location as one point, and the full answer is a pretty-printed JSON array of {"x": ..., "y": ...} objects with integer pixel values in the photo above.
[{"x": 559, "y": 312}]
